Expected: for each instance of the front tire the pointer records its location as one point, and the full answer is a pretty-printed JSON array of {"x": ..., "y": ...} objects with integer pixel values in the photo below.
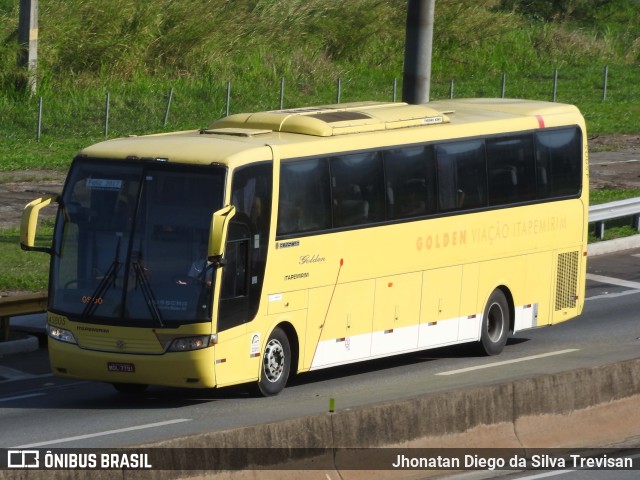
[
  {"x": 495, "y": 324},
  {"x": 276, "y": 364}
]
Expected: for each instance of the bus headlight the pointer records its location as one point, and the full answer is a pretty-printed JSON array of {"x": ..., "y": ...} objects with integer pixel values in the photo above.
[
  {"x": 61, "y": 334},
  {"x": 187, "y": 344}
]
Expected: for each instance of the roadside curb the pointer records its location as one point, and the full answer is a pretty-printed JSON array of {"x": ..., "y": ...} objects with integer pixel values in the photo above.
[
  {"x": 22, "y": 345},
  {"x": 612, "y": 246}
]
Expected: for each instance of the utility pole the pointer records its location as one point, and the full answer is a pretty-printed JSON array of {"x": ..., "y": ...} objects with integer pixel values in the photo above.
[
  {"x": 28, "y": 40},
  {"x": 417, "y": 51}
]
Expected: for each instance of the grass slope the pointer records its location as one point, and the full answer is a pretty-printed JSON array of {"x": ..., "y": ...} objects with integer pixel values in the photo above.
[{"x": 138, "y": 51}]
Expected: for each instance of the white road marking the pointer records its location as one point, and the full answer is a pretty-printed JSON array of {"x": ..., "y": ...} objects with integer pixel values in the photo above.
[
  {"x": 20, "y": 397},
  {"x": 546, "y": 475},
  {"x": 613, "y": 295},
  {"x": 508, "y": 362},
  {"x": 12, "y": 375},
  {"x": 611, "y": 162},
  {"x": 613, "y": 281},
  {"x": 101, "y": 434}
]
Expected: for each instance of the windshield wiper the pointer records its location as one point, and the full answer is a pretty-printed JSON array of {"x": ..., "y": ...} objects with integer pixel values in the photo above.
[
  {"x": 141, "y": 278},
  {"x": 107, "y": 281}
]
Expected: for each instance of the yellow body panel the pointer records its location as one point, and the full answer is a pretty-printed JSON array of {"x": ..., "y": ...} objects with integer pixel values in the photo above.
[
  {"x": 396, "y": 307},
  {"x": 441, "y": 306},
  {"x": 236, "y": 362}
]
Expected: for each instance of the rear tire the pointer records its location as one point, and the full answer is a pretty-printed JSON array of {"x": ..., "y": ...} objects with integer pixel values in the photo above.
[
  {"x": 495, "y": 324},
  {"x": 276, "y": 364}
]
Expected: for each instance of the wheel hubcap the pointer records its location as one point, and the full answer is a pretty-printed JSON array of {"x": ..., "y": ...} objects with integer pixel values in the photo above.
[{"x": 273, "y": 360}]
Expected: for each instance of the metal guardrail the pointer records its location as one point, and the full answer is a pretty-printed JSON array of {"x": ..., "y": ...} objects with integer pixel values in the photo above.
[
  {"x": 618, "y": 209},
  {"x": 19, "y": 305}
]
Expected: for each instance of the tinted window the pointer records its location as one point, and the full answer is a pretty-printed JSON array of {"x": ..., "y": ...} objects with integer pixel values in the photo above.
[
  {"x": 420, "y": 180},
  {"x": 511, "y": 170},
  {"x": 246, "y": 251},
  {"x": 305, "y": 199},
  {"x": 461, "y": 175},
  {"x": 410, "y": 177},
  {"x": 131, "y": 237},
  {"x": 358, "y": 189},
  {"x": 558, "y": 162}
]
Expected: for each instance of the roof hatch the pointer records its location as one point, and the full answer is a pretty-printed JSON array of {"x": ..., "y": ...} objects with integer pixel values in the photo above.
[
  {"x": 235, "y": 132},
  {"x": 333, "y": 120}
]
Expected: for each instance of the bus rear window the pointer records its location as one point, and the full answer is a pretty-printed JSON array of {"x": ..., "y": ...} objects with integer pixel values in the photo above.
[{"x": 558, "y": 162}]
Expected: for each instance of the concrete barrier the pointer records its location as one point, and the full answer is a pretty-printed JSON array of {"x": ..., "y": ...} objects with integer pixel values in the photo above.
[
  {"x": 613, "y": 246},
  {"x": 584, "y": 408},
  {"x": 591, "y": 407}
]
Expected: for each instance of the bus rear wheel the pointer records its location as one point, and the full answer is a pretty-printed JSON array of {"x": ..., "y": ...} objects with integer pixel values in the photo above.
[
  {"x": 495, "y": 324},
  {"x": 276, "y": 364}
]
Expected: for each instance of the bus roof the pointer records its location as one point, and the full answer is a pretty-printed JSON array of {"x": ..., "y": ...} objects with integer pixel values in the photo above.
[{"x": 245, "y": 137}]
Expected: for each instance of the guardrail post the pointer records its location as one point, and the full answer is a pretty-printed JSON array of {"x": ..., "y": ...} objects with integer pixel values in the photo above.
[
  {"x": 599, "y": 230},
  {"x": 39, "y": 128},
  {"x": 635, "y": 222}
]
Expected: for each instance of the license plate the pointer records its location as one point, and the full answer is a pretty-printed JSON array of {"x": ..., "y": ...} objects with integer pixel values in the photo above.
[{"x": 121, "y": 367}]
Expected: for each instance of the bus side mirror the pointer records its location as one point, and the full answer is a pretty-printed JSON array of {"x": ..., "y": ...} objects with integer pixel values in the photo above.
[
  {"x": 218, "y": 233},
  {"x": 29, "y": 223}
]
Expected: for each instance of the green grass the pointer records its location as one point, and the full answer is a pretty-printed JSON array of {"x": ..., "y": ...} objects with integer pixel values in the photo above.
[
  {"x": 618, "y": 228},
  {"x": 606, "y": 195},
  {"x": 20, "y": 270}
]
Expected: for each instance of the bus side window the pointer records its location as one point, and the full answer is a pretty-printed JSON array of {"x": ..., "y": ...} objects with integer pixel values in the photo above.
[
  {"x": 410, "y": 177},
  {"x": 511, "y": 170},
  {"x": 461, "y": 175},
  {"x": 304, "y": 204},
  {"x": 358, "y": 188}
]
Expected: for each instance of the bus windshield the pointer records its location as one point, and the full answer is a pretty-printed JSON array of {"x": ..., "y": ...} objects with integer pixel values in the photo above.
[{"x": 130, "y": 243}]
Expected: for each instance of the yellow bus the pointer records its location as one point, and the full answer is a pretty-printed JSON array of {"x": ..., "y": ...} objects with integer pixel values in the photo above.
[{"x": 281, "y": 242}]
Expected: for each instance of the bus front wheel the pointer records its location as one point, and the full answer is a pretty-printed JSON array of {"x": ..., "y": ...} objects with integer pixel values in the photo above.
[
  {"x": 495, "y": 324},
  {"x": 276, "y": 364}
]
